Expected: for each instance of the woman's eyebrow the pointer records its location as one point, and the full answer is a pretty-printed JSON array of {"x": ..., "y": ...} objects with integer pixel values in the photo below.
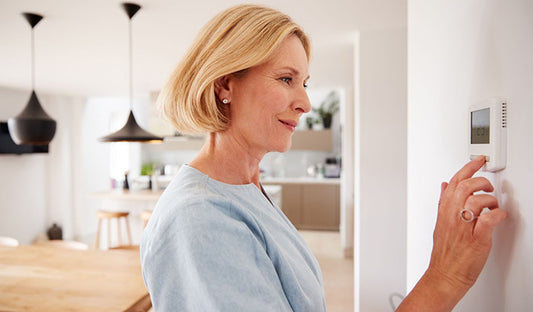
[{"x": 293, "y": 70}]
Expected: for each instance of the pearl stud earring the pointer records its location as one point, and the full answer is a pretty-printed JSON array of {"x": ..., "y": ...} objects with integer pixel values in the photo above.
[{"x": 225, "y": 101}]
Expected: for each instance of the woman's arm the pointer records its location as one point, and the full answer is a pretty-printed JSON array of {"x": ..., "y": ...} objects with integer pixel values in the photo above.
[{"x": 460, "y": 249}]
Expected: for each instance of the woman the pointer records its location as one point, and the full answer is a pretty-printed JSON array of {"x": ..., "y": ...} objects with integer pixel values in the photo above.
[{"x": 216, "y": 241}]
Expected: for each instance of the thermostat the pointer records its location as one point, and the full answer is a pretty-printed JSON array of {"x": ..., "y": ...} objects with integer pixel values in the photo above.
[{"x": 488, "y": 133}]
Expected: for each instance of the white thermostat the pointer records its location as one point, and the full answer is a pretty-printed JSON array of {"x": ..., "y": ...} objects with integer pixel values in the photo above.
[{"x": 488, "y": 133}]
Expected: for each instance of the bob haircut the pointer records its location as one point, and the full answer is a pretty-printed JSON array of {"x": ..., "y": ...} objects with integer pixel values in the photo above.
[{"x": 233, "y": 41}]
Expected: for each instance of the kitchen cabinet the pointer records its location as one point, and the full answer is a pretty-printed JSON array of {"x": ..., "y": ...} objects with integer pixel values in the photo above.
[
  {"x": 291, "y": 202},
  {"x": 320, "y": 207},
  {"x": 312, "y": 140},
  {"x": 311, "y": 206}
]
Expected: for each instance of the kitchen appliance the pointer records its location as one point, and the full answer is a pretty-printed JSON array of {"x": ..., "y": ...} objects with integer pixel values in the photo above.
[{"x": 332, "y": 169}]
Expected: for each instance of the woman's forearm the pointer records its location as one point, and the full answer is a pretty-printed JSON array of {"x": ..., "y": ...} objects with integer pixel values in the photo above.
[{"x": 433, "y": 293}]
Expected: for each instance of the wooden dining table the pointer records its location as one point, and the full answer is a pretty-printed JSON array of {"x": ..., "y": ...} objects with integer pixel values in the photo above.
[{"x": 37, "y": 278}]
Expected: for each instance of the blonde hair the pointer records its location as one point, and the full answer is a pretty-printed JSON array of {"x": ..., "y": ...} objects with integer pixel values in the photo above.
[{"x": 236, "y": 39}]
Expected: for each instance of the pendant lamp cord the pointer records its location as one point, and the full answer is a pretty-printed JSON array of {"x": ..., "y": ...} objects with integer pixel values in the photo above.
[
  {"x": 131, "y": 66},
  {"x": 32, "y": 61}
]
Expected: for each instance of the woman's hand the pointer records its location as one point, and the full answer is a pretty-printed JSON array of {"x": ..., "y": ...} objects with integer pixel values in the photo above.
[{"x": 460, "y": 248}]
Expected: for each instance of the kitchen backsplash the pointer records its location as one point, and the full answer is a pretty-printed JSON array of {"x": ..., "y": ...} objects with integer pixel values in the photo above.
[{"x": 289, "y": 164}]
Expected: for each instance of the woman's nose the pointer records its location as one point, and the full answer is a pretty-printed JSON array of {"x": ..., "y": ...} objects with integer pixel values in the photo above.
[{"x": 302, "y": 103}]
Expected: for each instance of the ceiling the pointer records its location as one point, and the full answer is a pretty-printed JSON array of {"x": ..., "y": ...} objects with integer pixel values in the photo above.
[{"x": 81, "y": 46}]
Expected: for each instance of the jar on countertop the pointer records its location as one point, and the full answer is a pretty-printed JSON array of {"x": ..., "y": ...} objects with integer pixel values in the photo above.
[{"x": 54, "y": 232}]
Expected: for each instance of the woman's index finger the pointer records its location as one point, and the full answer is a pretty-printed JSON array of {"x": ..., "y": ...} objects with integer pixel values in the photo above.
[{"x": 468, "y": 170}]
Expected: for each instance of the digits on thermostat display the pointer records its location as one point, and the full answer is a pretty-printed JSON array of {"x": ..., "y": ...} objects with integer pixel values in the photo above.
[{"x": 480, "y": 133}]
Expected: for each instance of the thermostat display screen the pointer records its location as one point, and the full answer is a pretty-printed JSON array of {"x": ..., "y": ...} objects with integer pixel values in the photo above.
[{"x": 480, "y": 133}]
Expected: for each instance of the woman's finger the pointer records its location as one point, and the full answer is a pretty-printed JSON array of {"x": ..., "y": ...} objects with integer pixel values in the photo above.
[
  {"x": 443, "y": 186},
  {"x": 486, "y": 223},
  {"x": 476, "y": 203},
  {"x": 468, "y": 170},
  {"x": 472, "y": 185}
]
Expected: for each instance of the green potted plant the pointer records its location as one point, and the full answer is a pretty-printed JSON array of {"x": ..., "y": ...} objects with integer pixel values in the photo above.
[
  {"x": 148, "y": 169},
  {"x": 328, "y": 108}
]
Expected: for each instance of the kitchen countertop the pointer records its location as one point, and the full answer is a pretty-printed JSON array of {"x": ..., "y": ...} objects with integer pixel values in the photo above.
[
  {"x": 120, "y": 194},
  {"x": 149, "y": 195},
  {"x": 301, "y": 180}
]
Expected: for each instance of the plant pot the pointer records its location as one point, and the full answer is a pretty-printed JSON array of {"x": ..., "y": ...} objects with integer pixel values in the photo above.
[
  {"x": 309, "y": 122},
  {"x": 326, "y": 121}
]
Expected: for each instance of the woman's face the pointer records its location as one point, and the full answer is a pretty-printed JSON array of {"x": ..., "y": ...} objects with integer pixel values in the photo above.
[{"x": 268, "y": 100}]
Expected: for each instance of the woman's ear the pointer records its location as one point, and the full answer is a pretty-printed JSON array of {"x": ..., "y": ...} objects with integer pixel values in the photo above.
[{"x": 222, "y": 88}]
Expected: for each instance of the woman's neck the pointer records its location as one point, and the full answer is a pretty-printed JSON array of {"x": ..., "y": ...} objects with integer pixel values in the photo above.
[{"x": 225, "y": 159}]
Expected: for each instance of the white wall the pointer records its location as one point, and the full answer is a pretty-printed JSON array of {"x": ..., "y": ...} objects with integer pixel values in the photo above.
[
  {"x": 332, "y": 67},
  {"x": 380, "y": 169},
  {"x": 22, "y": 195},
  {"x": 461, "y": 52},
  {"x": 36, "y": 189},
  {"x": 62, "y": 162}
]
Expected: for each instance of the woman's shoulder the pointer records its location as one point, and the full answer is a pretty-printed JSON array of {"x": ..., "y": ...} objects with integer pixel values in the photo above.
[
  {"x": 188, "y": 185},
  {"x": 192, "y": 197},
  {"x": 184, "y": 212},
  {"x": 184, "y": 209},
  {"x": 192, "y": 203}
]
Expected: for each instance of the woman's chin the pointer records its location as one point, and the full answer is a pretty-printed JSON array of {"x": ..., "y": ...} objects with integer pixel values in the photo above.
[{"x": 284, "y": 148}]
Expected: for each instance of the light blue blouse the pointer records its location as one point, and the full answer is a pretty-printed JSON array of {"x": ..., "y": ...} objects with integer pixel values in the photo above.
[{"x": 211, "y": 246}]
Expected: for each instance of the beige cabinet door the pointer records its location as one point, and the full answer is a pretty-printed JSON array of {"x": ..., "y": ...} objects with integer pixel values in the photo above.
[
  {"x": 291, "y": 203},
  {"x": 321, "y": 207},
  {"x": 312, "y": 206}
]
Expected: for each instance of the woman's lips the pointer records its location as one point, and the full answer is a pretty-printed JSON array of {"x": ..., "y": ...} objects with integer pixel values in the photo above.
[{"x": 291, "y": 124}]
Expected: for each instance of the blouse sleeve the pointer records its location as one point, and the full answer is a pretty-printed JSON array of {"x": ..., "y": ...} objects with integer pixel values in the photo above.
[{"x": 203, "y": 257}]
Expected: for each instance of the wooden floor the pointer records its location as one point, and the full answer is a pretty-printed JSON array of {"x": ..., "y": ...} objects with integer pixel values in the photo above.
[{"x": 337, "y": 271}]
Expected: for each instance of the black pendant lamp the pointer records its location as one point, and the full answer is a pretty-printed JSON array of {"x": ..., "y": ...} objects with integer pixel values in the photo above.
[
  {"x": 131, "y": 131},
  {"x": 33, "y": 126}
]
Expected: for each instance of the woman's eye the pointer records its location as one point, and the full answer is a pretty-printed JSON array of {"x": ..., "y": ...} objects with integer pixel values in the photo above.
[{"x": 287, "y": 80}]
